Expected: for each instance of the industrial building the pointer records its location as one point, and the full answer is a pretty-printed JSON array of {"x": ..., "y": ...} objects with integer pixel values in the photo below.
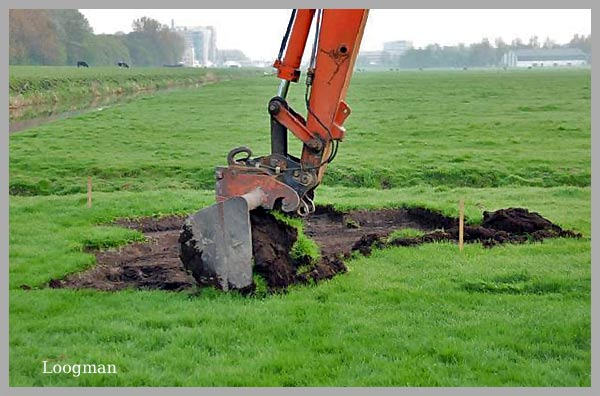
[
  {"x": 547, "y": 57},
  {"x": 200, "y": 45}
]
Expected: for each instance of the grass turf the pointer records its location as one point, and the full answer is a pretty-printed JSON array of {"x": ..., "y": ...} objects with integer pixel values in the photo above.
[{"x": 423, "y": 316}]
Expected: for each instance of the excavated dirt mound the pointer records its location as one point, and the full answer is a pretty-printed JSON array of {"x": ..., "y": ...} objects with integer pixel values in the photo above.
[
  {"x": 272, "y": 243},
  {"x": 155, "y": 264},
  {"x": 512, "y": 225}
]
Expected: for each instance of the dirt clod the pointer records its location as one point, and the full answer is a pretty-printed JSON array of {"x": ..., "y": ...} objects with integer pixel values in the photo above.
[
  {"x": 272, "y": 243},
  {"x": 155, "y": 264},
  {"x": 517, "y": 221}
]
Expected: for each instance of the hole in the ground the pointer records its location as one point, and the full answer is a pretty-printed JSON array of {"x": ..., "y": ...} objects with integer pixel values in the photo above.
[{"x": 156, "y": 264}]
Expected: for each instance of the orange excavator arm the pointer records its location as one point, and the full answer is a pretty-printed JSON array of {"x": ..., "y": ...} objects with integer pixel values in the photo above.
[
  {"x": 216, "y": 243},
  {"x": 289, "y": 182}
]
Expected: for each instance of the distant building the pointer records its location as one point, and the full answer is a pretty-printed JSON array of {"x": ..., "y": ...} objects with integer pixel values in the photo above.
[
  {"x": 370, "y": 58},
  {"x": 396, "y": 49},
  {"x": 392, "y": 51},
  {"x": 550, "y": 57},
  {"x": 200, "y": 45}
]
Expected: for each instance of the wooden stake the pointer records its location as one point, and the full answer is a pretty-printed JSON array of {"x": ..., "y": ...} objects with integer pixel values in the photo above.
[
  {"x": 89, "y": 190},
  {"x": 461, "y": 223}
]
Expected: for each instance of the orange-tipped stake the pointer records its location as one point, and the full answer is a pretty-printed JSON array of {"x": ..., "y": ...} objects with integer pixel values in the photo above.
[
  {"x": 461, "y": 223},
  {"x": 89, "y": 190}
]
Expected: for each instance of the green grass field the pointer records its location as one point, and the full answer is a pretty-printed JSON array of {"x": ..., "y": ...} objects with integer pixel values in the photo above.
[
  {"x": 447, "y": 129},
  {"x": 514, "y": 315}
]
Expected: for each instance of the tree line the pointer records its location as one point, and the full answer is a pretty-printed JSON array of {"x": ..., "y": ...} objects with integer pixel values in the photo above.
[
  {"x": 482, "y": 54},
  {"x": 63, "y": 37}
]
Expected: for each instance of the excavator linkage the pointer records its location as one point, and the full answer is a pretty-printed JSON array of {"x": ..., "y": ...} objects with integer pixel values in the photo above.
[{"x": 216, "y": 242}]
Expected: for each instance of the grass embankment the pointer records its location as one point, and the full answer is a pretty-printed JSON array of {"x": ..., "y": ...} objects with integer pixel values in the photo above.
[
  {"x": 69, "y": 88},
  {"x": 515, "y": 315}
]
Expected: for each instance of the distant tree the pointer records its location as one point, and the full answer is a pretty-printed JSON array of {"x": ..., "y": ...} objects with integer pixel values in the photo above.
[
  {"x": 33, "y": 38},
  {"x": 171, "y": 45},
  {"x": 62, "y": 36},
  {"x": 517, "y": 43},
  {"x": 146, "y": 25},
  {"x": 534, "y": 42},
  {"x": 74, "y": 33},
  {"x": 231, "y": 55},
  {"x": 153, "y": 44},
  {"x": 549, "y": 43},
  {"x": 482, "y": 54},
  {"x": 107, "y": 49},
  {"x": 499, "y": 43},
  {"x": 501, "y": 48},
  {"x": 582, "y": 42}
]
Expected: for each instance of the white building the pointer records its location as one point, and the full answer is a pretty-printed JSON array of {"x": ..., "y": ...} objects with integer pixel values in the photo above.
[
  {"x": 396, "y": 49},
  {"x": 200, "y": 45},
  {"x": 550, "y": 57}
]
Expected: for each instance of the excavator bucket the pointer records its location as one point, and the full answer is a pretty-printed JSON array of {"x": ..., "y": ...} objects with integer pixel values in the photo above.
[{"x": 216, "y": 242}]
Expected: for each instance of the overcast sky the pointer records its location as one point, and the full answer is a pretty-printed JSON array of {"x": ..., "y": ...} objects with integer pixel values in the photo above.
[{"x": 258, "y": 32}]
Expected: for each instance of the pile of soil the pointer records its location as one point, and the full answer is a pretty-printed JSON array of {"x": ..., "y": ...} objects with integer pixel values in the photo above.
[
  {"x": 512, "y": 225},
  {"x": 155, "y": 264},
  {"x": 272, "y": 243}
]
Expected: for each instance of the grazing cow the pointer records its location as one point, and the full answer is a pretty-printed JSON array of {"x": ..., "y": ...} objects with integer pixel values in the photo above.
[
  {"x": 82, "y": 64},
  {"x": 123, "y": 64}
]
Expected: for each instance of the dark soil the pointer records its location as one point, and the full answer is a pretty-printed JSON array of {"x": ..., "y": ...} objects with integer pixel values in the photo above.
[
  {"x": 150, "y": 265},
  {"x": 156, "y": 265},
  {"x": 338, "y": 233},
  {"x": 512, "y": 225},
  {"x": 272, "y": 243}
]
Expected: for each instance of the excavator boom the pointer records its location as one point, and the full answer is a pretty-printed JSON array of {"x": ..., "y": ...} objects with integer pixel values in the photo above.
[{"x": 216, "y": 241}]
